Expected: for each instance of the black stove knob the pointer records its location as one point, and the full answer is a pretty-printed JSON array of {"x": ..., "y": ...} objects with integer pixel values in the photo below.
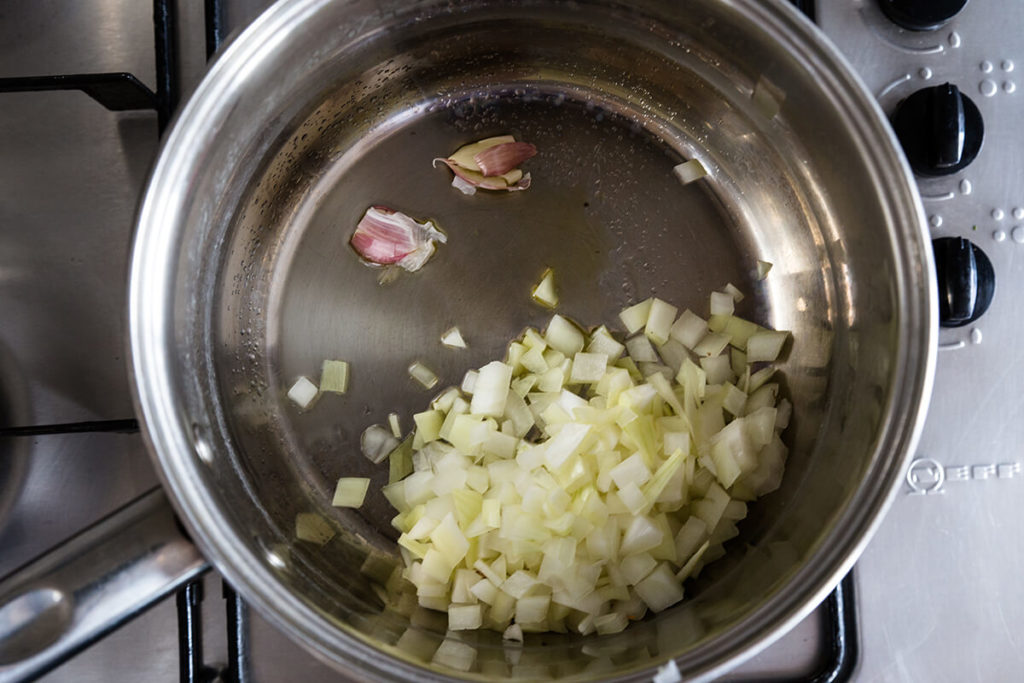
[
  {"x": 940, "y": 129},
  {"x": 966, "y": 281},
  {"x": 921, "y": 15}
]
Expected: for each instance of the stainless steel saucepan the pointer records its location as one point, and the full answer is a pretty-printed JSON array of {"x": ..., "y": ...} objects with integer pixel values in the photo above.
[{"x": 242, "y": 279}]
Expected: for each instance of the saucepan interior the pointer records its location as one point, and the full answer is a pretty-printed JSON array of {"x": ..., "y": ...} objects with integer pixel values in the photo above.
[{"x": 244, "y": 280}]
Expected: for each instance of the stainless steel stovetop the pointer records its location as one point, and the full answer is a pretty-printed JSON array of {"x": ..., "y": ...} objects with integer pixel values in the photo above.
[{"x": 936, "y": 596}]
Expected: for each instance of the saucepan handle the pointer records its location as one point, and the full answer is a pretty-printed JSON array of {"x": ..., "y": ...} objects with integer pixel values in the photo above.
[{"x": 107, "y": 574}]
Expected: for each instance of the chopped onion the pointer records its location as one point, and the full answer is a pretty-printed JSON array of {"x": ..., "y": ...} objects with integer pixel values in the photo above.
[
  {"x": 689, "y": 329},
  {"x": 722, "y": 303},
  {"x": 762, "y": 269},
  {"x": 635, "y": 317},
  {"x": 602, "y": 341},
  {"x": 588, "y": 367},
  {"x": 659, "y": 321},
  {"x": 422, "y": 374},
  {"x": 396, "y": 428},
  {"x": 334, "y": 376},
  {"x": 712, "y": 344},
  {"x": 717, "y": 368},
  {"x": 491, "y": 389},
  {"x": 464, "y": 617},
  {"x": 377, "y": 442},
  {"x": 385, "y": 237},
  {"x": 452, "y": 338},
  {"x": 544, "y": 291},
  {"x": 469, "y": 382},
  {"x": 734, "y": 291},
  {"x": 640, "y": 350},
  {"x": 611, "y": 623},
  {"x": 350, "y": 492},
  {"x": 668, "y": 673},
  {"x": 660, "y": 589},
  {"x": 303, "y": 392},
  {"x": 564, "y": 336},
  {"x": 690, "y": 170},
  {"x": 535, "y": 505},
  {"x": 765, "y": 345}
]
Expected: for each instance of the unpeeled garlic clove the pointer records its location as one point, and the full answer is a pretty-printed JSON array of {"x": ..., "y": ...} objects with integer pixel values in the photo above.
[
  {"x": 386, "y": 237},
  {"x": 500, "y": 159}
]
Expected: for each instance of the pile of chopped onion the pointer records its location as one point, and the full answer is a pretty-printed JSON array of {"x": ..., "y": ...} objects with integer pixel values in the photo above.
[{"x": 577, "y": 483}]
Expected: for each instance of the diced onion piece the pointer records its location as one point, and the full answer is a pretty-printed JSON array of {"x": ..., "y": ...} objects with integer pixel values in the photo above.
[
  {"x": 491, "y": 389},
  {"x": 311, "y": 527},
  {"x": 422, "y": 374},
  {"x": 611, "y": 623},
  {"x": 635, "y": 568},
  {"x": 759, "y": 378},
  {"x": 668, "y": 673},
  {"x": 485, "y": 591},
  {"x": 350, "y": 492},
  {"x": 673, "y": 353},
  {"x": 465, "y": 617},
  {"x": 334, "y": 376},
  {"x": 452, "y": 338},
  {"x": 733, "y": 291},
  {"x": 688, "y": 568},
  {"x": 734, "y": 400},
  {"x": 602, "y": 341},
  {"x": 641, "y": 534},
  {"x": 588, "y": 367},
  {"x": 661, "y": 589},
  {"x": 690, "y": 170},
  {"x": 738, "y": 330},
  {"x": 563, "y": 336},
  {"x": 659, "y": 321},
  {"x": 303, "y": 392},
  {"x": 400, "y": 461},
  {"x": 762, "y": 269},
  {"x": 377, "y": 442},
  {"x": 718, "y": 368},
  {"x": 712, "y": 344},
  {"x": 532, "y": 609},
  {"x": 544, "y": 291},
  {"x": 469, "y": 382},
  {"x": 722, "y": 303},
  {"x": 765, "y": 345},
  {"x": 635, "y": 317},
  {"x": 640, "y": 350},
  {"x": 689, "y": 329},
  {"x": 632, "y": 469},
  {"x": 396, "y": 428},
  {"x": 428, "y": 424}
]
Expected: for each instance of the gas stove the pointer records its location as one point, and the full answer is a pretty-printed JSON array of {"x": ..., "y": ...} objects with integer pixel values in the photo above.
[{"x": 935, "y": 597}]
